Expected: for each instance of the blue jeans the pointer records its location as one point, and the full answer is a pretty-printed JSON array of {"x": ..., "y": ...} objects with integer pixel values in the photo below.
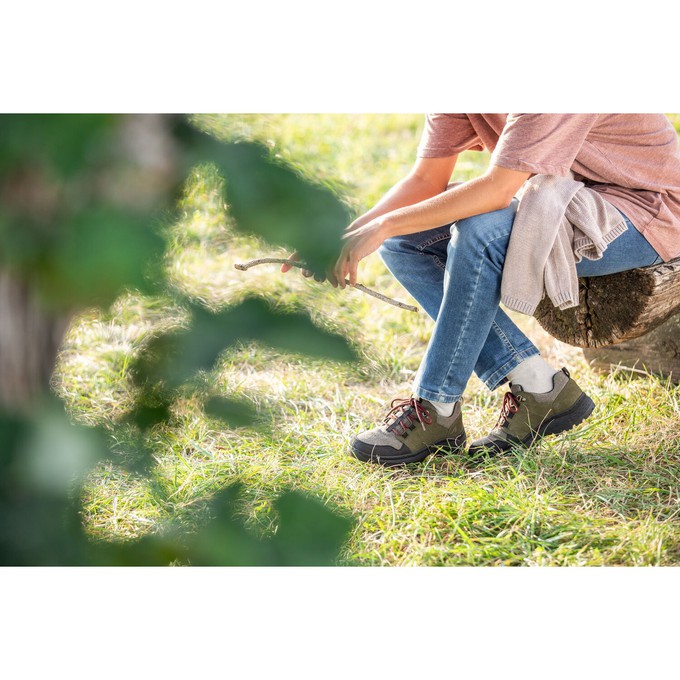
[{"x": 455, "y": 272}]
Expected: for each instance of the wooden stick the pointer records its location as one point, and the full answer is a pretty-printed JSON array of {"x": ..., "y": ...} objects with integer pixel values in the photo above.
[{"x": 243, "y": 266}]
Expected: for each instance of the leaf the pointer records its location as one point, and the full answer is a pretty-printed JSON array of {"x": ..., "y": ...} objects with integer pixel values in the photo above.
[
  {"x": 225, "y": 541},
  {"x": 270, "y": 199},
  {"x": 103, "y": 251},
  {"x": 65, "y": 144},
  {"x": 44, "y": 461},
  {"x": 309, "y": 533},
  {"x": 176, "y": 357},
  {"x": 234, "y": 413},
  {"x": 145, "y": 416},
  {"x": 55, "y": 454}
]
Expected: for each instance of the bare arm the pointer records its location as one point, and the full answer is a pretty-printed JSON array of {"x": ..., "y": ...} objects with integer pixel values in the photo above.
[
  {"x": 492, "y": 191},
  {"x": 428, "y": 177}
]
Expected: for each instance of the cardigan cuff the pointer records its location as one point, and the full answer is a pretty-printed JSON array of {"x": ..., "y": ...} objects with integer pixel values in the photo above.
[{"x": 519, "y": 305}]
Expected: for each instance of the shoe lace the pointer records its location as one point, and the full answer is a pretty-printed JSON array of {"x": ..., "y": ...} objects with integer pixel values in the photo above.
[
  {"x": 404, "y": 413},
  {"x": 510, "y": 407}
]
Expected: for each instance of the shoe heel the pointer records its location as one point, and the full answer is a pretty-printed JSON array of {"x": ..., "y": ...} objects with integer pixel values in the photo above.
[{"x": 581, "y": 409}]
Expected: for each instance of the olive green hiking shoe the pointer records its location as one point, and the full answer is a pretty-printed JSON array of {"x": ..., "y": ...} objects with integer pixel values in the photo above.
[
  {"x": 528, "y": 416},
  {"x": 410, "y": 432}
]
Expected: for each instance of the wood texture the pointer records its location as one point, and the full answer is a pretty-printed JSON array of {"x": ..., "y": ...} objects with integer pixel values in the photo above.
[
  {"x": 616, "y": 308},
  {"x": 656, "y": 352},
  {"x": 29, "y": 342}
]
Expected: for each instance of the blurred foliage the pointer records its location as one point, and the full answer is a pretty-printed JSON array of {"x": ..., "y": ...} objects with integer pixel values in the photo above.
[
  {"x": 175, "y": 357},
  {"x": 45, "y": 461},
  {"x": 269, "y": 199},
  {"x": 83, "y": 204}
]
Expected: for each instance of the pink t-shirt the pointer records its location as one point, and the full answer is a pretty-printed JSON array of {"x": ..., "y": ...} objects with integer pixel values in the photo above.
[{"x": 632, "y": 159}]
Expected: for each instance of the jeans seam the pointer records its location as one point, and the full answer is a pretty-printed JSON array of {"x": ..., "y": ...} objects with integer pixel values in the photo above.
[
  {"x": 504, "y": 338},
  {"x": 432, "y": 241},
  {"x": 437, "y": 261}
]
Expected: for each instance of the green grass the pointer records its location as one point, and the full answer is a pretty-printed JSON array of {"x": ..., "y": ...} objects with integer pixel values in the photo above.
[{"x": 606, "y": 493}]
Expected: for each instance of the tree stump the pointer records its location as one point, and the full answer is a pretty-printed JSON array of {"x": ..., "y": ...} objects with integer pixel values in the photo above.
[
  {"x": 631, "y": 318},
  {"x": 655, "y": 352}
]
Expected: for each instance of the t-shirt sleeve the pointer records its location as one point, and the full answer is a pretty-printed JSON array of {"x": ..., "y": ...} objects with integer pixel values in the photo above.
[
  {"x": 447, "y": 134},
  {"x": 542, "y": 143}
]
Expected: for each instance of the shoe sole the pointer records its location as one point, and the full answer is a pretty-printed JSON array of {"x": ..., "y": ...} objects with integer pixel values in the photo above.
[
  {"x": 581, "y": 409},
  {"x": 455, "y": 445}
]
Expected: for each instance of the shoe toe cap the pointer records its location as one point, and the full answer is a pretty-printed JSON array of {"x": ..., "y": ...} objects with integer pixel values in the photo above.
[
  {"x": 489, "y": 444},
  {"x": 366, "y": 450}
]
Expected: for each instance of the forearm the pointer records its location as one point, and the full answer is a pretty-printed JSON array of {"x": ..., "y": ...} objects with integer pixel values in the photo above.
[
  {"x": 480, "y": 195},
  {"x": 409, "y": 191}
]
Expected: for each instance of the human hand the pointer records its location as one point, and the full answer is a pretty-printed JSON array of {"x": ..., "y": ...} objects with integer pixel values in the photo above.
[
  {"x": 305, "y": 272},
  {"x": 360, "y": 241}
]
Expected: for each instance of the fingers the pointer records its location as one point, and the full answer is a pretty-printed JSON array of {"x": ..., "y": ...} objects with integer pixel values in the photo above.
[
  {"x": 305, "y": 272},
  {"x": 345, "y": 266},
  {"x": 330, "y": 275},
  {"x": 340, "y": 269},
  {"x": 353, "y": 265},
  {"x": 287, "y": 267}
]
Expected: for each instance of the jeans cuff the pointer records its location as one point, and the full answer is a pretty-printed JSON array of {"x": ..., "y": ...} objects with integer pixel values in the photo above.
[
  {"x": 498, "y": 376},
  {"x": 435, "y": 396}
]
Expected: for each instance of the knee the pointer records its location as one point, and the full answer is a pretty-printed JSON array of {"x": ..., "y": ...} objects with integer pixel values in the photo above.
[
  {"x": 485, "y": 232},
  {"x": 396, "y": 246}
]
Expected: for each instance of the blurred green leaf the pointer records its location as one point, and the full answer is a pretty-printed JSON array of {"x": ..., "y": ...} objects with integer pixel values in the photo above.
[
  {"x": 234, "y": 413},
  {"x": 176, "y": 357},
  {"x": 65, "y": 144},
  {"x": 309, "y": 533},
  {"x": 42, "y": 464},
  {"x": 56, "y": 454},
  {"x": 270, "y": 199},
  {"x": 224, "y": 540},
  {"x": 103, "y": 252},
  {"x": 145, "y": 417}
]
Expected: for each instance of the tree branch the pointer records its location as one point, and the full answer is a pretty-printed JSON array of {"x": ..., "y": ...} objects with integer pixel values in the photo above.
[{"x": 243, "y": 266}]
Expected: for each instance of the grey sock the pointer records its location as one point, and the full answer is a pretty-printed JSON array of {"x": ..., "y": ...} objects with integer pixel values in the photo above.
[
  {"x": 533, "y": 374},
  {"x": 444, "y": 409}
]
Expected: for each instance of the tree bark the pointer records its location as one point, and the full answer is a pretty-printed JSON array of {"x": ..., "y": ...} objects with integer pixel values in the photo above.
[
  {"x": 655, "y": 352},
  {"x": 140, "y": 173},
  {"x": 30, "y": 338}
]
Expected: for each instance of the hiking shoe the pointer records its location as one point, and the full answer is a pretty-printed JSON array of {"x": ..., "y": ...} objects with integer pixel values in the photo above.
[
  {"x": 528, "y": 416},
  {"x": 410, "y": 432}
]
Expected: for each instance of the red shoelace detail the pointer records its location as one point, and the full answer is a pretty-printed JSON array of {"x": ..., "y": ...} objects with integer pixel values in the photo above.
[
  {"x": 404, "y": 413},
  {"x": 510, "y": 405}
]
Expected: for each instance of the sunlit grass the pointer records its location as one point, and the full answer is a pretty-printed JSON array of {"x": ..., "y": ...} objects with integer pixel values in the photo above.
[{"x": 606, "y": 493}]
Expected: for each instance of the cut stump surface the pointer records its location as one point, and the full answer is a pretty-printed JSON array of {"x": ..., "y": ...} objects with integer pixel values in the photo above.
[{"x": 616, "y": 308}]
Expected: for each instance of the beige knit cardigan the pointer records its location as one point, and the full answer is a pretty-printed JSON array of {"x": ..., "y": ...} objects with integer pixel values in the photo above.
[{"x": 559, "y": 221}]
